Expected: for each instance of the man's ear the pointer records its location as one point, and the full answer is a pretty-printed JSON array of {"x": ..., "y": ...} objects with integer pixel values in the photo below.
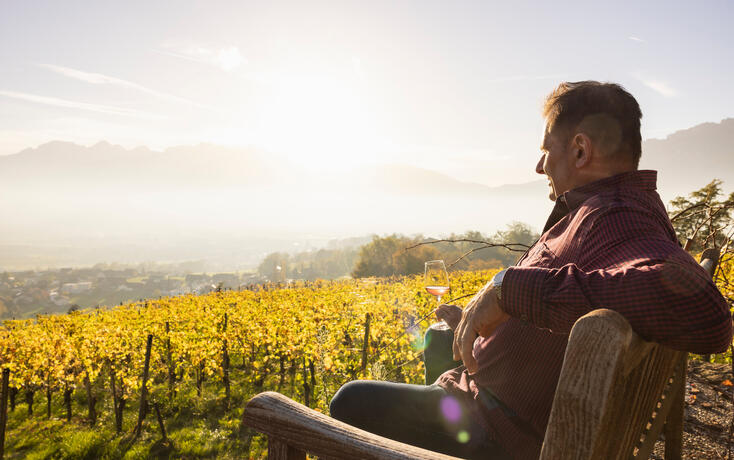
[{"x": 581, "y": 150}]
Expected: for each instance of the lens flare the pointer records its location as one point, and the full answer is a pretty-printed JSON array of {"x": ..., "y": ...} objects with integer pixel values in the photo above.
[
  {"x": 416, "y": 340},
  {"x": 450, "y": 409},
  {"x": 462, "y": 436}
]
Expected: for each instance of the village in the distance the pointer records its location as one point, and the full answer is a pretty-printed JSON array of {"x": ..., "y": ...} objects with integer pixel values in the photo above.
[{"x": 27, "y": 293}]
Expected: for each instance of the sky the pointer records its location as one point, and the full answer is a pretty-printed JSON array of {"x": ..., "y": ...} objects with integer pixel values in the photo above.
[{"x": 454, "y": 87}]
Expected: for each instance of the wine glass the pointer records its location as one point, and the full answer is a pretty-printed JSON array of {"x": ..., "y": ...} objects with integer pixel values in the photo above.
[{"x": 436, "y": 279}]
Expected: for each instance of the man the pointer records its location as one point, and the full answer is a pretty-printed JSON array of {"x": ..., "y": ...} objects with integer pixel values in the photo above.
[{"x": 608, "y": 243}]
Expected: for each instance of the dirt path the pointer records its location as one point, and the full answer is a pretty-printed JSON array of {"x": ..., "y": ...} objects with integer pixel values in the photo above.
[{"x": 708, "y": 415}]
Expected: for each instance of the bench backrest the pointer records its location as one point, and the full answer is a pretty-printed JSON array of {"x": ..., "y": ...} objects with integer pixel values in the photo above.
[{"x": 616, "y": 391}]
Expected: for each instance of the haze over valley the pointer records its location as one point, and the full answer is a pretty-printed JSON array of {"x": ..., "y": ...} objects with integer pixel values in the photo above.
[{"x": 70, "y": 205}]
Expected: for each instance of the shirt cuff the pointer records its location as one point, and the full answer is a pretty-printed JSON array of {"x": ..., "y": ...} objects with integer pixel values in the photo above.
[{"x": 522, "y": 293}]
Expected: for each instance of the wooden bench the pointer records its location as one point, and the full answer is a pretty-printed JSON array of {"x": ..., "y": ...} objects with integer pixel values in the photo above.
[{"x": 616, "y": 394}]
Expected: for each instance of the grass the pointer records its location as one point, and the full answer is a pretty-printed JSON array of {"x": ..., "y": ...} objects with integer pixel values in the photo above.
[{"x": 197, "y": 428}]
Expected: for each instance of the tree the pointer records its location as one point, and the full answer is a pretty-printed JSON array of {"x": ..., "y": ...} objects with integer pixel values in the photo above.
[
  {"x": 703, "y": 219},
  {"x": 376, "y": 258},
  {"x": 517, "y": 232},
  {"x": 274, "y": 267},
  {"x": 401, "y": 255},
  {"x": 413, "y": 262}
]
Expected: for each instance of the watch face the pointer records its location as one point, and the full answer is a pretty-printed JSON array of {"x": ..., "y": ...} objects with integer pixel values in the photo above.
[
  {"x": 497, "y": 280},
  {"x": 497, "y": 283}
]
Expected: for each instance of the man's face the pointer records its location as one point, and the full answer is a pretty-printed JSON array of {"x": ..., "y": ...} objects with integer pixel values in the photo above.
[{"x": 556, "y": 163}]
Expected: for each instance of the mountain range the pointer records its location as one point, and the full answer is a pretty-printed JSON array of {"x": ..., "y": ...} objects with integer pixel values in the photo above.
[
  {"x": 689, "y": 159},
  {"x": 234, "y": 204}
]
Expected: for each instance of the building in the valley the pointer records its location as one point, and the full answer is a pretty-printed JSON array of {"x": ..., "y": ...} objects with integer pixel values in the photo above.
[{"x": 76, "y": 288}]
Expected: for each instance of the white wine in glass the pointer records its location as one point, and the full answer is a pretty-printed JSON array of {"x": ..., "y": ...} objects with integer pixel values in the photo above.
[{"x": 436, "y": 279}]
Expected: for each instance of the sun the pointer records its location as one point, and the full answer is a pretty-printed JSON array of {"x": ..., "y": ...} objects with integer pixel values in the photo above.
[{"x": 319, "y": 120}]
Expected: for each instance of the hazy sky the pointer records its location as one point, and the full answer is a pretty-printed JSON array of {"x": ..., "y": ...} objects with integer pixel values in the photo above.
[{"x": 450, "y": 86}]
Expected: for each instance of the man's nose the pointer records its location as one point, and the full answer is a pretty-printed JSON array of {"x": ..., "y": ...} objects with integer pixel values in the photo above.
[{"x": 539, "y": 167}]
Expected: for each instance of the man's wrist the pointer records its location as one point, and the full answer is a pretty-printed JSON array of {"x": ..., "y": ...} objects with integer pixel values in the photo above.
[
  {"x": 497, "y": 283},
  {"x": 522, "y": 293}
]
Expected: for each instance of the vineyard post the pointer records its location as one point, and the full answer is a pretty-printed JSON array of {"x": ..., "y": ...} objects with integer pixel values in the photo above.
[
  {"x": 306, "y": 388},
  {"x": 67, "y": 402},
  {"x": 171, "y": 367},
  {"x": 312, "y": 371},
  {"x": 199, "y": 377},
  {"x": 366, "y": 342},
  {"x": 144, "y": 388},
  {"x": 282, "y": 371},
  {"x": 292, "y": 371},
  {"x": 48, "y": 395},
  {"x": 91, "y": 400},
  {"x": 4, "y": 410},
  {"x": 29, "y": 400},
  {"x": 115, "y": 403},
  {"x": 225, "y": 365},
  {"x": 160, "y": 421},
  {"x": 13, "y": 394}
]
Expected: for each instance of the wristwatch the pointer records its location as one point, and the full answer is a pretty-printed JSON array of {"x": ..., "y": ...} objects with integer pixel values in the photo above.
[{"x": 497, "y": 283}]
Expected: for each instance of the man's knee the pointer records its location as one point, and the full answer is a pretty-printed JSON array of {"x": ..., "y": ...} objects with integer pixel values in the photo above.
[
  {"x": 343, "y": 404},
  {"x": 438, "y": 352},
  {"x": 439, "y": 337}
]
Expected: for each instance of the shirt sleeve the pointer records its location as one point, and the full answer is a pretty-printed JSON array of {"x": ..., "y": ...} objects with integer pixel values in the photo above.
[{"x": 663, "y": 293}]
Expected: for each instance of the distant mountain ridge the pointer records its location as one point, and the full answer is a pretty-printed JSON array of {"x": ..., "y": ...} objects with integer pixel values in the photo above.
[
  {"x": 194, "y": 202},
  {"x": 60, "y": 162},
  {"x": 689, "y": 159},
  {"x": 69, "y": 165},
  {"x": 686, "y": 160}
]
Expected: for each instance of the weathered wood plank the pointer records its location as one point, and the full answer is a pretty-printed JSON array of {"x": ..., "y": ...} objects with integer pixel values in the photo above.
[
  {"x": 307, "y": 430},
  {"x": 666, "y": 403},
  {"x": 280, "y": 450},
  {"x": 674, "y": 422},
  {"x": 594, "y": 356}
]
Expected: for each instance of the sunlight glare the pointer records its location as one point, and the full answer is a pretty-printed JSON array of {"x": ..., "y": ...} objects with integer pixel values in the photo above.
[{"x": 317, "y": 120}]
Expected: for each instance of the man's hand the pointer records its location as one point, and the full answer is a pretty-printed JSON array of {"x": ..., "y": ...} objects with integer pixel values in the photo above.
[
  {"x": 480, "y": 317},
  {"x": 451, "y": 314}
]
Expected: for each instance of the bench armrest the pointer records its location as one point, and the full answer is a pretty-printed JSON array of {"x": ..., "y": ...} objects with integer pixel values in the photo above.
[
  {"x": 302, "y": 429},
  {"x": 610, "y": 383}
]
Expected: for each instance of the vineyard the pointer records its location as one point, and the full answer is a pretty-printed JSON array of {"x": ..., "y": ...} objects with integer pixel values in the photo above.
[{"x": 169, "y": 377}]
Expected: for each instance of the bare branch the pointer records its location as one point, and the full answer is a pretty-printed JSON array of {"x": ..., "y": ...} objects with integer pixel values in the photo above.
[
  {"x": 722, "y": 273},
  {"x": 420, "y": 320},
  {"x": 515, "y": 247},
  {"x": 467, "y": 253},
  {"x": 689, "y": 208}
]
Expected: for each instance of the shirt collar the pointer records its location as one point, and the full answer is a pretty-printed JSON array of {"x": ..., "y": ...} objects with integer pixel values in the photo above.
[{"x": 569, "y": 201}]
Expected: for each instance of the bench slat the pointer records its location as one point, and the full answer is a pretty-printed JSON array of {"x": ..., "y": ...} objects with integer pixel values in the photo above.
[{"x": 304, "y": 429}]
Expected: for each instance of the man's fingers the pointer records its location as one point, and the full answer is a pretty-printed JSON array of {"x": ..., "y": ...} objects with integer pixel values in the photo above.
[
  {"x": 450, "y": 314},
  {"x": 469, "y": 361},
  {"x": 467, "y": 346},
  {"x": 464, "y": 342},
  {"x": 457, "y": 341}
]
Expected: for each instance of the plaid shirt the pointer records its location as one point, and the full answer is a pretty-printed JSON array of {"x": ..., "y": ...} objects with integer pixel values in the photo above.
[{"x": 607, "y": 244}]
